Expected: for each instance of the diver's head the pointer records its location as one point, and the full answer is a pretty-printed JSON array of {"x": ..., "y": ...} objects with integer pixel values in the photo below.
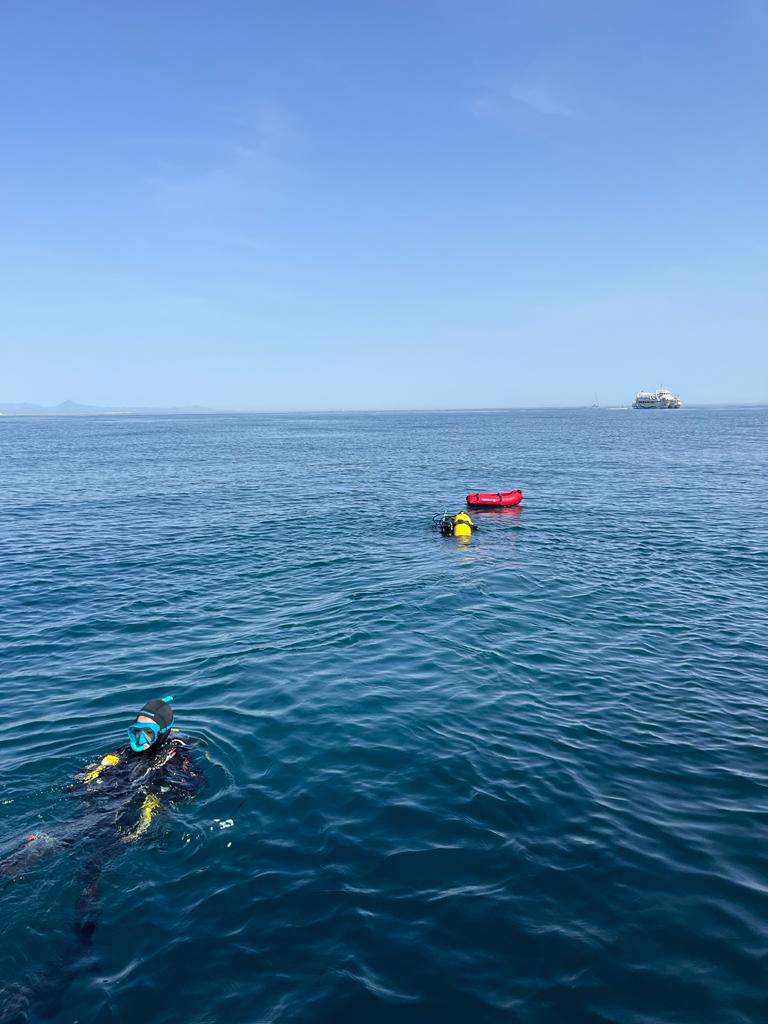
[{"x": 152, "y": 725}]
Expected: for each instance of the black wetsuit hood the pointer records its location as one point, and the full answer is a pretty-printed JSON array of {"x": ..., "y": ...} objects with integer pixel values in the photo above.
[{"x": 161, "y": 713}]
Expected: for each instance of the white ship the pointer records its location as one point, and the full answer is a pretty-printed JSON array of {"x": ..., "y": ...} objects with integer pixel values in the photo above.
[{"x": 661, "y": 399}]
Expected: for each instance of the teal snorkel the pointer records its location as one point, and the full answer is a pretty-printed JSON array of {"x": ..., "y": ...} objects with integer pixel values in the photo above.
[{"x": 159, "y": 720}]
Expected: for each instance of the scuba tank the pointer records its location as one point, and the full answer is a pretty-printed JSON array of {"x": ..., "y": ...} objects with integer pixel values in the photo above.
[{"x": 459, "y": 525}]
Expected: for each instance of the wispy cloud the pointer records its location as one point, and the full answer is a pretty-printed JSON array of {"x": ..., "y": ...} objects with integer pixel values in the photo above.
[
  {"x": 521, "y": 98},
  {"x": 238, "y": 168}
]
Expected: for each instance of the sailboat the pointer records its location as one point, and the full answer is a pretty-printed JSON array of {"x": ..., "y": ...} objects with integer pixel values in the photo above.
[{"x": 596, "y": 403}]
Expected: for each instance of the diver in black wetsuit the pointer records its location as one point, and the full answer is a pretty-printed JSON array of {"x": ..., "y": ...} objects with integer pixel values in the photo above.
[
  {"x": 129, "y": 786},
  {"x": 122, "y": 794},
  {"x": 124, "y": 791}
]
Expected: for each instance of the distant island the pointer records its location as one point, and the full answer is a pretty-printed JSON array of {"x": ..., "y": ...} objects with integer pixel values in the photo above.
[{"x": 70, "y": 408}]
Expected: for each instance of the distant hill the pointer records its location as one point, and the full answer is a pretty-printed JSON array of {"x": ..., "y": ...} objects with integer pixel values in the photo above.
[{"x": 70, "y": 408}]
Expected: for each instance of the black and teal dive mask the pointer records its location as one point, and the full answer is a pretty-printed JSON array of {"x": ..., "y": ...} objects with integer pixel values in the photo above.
[{"x": 142, "y": 735}]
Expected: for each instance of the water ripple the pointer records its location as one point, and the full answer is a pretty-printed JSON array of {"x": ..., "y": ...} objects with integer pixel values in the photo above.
[{"x": 517, "y": 780}]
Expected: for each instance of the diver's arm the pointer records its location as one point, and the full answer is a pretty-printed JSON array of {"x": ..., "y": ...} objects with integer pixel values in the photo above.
[
  {"x": 92, "y": 772},
  {"x": 180, "y": 778},
  {"x": 193, "y": 770},
  {"x": 188, "y": 775}
]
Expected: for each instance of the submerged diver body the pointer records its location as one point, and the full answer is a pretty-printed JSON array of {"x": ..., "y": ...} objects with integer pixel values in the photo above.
[
  {"x": 122, "y": 794},
  {"x": 128, "y": 786}
]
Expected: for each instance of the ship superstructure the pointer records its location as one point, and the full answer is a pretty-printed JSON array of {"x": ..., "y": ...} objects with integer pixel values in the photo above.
[{"x": 661, "y": 399}]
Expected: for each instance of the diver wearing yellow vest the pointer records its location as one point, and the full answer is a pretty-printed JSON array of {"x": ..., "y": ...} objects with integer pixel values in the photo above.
[{"x": 459, "y": 525}]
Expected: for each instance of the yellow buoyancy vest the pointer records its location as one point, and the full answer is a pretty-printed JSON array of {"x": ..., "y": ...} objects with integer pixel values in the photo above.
[{"x": 462, "y": 525}]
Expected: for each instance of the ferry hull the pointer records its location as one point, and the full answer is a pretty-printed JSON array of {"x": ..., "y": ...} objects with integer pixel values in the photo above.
[{"x": 661, "y": 399}]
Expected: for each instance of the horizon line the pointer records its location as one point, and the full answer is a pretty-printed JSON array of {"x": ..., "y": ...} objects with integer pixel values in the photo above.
[{"x": 52, "y": 411}]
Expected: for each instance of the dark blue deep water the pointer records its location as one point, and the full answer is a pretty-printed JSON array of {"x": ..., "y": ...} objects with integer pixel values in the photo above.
[{"x": 518, "y": 779}]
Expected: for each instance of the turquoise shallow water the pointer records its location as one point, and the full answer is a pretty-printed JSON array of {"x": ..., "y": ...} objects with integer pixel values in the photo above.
[{"x": 520, "y": 779}]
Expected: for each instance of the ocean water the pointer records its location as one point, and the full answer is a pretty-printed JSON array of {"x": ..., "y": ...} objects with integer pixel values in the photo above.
[{"x": 520, "y": 779}]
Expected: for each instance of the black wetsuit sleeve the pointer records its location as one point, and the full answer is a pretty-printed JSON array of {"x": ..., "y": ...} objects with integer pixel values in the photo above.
[
  {"x": 97, "y": 771},
  {"x": 185, "y": 774}
]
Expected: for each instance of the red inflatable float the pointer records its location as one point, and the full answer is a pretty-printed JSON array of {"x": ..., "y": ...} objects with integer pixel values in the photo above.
[{"x": 504, "y": 499}]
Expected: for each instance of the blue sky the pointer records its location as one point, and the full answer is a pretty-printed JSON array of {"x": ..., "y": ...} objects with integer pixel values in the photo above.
[{"x": 383, "y": 203}]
